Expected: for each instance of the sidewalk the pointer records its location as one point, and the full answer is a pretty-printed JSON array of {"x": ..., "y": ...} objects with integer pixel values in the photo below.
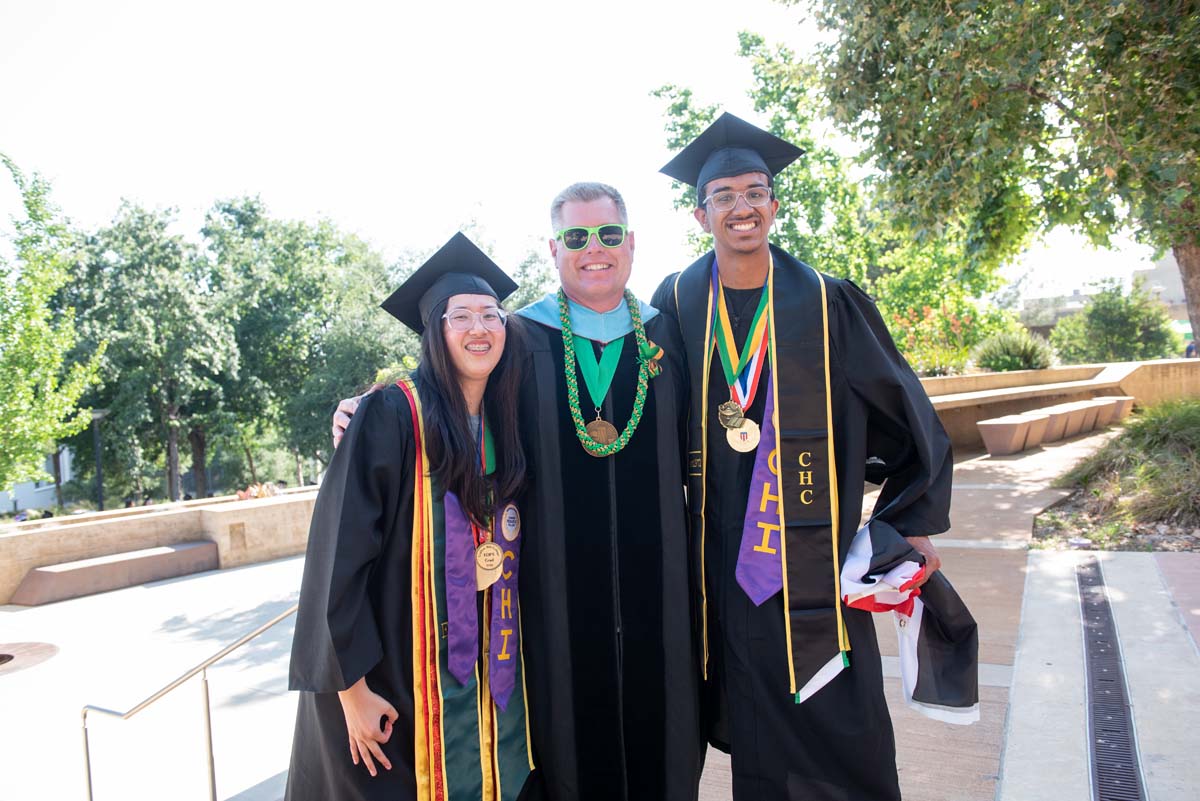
[{"x": 1030, "y": 744}]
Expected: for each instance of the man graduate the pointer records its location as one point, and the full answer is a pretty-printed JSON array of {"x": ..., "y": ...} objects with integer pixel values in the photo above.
[
  {"x": 798, "y": 395},
  {"x": 612, "y": 661}
]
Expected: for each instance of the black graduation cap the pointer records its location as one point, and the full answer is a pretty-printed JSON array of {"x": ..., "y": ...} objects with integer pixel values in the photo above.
[
  {"x": 458, "y": 268},
  {"x": 730, "y": 146}
]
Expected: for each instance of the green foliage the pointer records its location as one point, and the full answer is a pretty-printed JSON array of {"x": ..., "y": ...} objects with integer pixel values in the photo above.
[
  {"x": 39, "y": 390},
  {"x": 299, "y": 293},
  {"x": 356, "y": 339},
  {"x": 1151, "y": 472},
  {"x": 1013, "y": 350},
  {"x": 153, "y": 298},
  {"x": 1004, "y": 119},
  {"x": 1117, "y": 327},
  {"x": 837, "y": 224},
  {"x": 820, "y": 213},
  {"x": 248, "y": 342},
  {"x": 535, "y": 276}
]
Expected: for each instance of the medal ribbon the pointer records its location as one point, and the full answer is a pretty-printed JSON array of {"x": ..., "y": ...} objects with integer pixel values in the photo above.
[
  {"x": 598, "y": 376},
  {"x": 486, "y": 448},
  {"x": 743, "y": 378}
]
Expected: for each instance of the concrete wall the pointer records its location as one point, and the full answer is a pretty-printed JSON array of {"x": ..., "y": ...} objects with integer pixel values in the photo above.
[
  {"x": 1155, "y": 382},
  {"x": 245, "y": 532},
  {"x": 962, "y": 401},
  {"x": 954, "y": 384}
]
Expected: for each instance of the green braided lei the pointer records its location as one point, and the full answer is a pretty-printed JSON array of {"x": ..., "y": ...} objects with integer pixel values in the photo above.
[{"x": 649, "y": 355}]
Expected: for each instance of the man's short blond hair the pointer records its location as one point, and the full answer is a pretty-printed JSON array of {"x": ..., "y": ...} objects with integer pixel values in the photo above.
[{"x": 585, "y": 192}]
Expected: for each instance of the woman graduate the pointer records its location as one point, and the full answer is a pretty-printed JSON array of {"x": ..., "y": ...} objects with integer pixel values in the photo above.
[{"x": 407, "y": 645}]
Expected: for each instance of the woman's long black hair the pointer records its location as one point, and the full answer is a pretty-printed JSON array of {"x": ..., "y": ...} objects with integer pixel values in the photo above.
[{"x": 453, "y": 459}]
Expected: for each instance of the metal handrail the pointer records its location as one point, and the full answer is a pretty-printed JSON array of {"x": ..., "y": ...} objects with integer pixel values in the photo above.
[{"x": 201, "y": 668}]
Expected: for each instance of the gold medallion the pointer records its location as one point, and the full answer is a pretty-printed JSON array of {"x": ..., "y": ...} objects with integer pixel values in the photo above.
[
  {"x": 602, "y": 431},
  {"x": 744, "y": 438},
  {"x": 489, "y": 564},
  {"x": 730, "y": 414}
]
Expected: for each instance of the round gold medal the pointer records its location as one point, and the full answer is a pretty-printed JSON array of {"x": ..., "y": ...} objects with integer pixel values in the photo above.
[
  {"x": 744, "y": 438},
  {"x": 730, "y": 414},
  {"x": 489, "y": 564},
  {"x": 602, "y": 431}
]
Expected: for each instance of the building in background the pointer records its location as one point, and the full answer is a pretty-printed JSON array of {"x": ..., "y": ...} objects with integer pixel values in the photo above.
[
  {"x": 1164, "y": 281},
  {"x": 29, "y": 495}
]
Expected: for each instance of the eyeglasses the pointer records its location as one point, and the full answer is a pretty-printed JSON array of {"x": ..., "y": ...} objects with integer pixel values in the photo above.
[
  {"x": 464, "y": 319},
  {"x": 724, "y": 201},
  {"x": 577, "y": 238}
]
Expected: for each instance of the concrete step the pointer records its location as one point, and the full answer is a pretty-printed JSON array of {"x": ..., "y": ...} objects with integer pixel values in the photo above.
[{"x": 43, "y": 585}]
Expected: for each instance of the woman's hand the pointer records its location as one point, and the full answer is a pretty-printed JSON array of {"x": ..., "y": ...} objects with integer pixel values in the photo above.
[{"x": 363, "y": 710}]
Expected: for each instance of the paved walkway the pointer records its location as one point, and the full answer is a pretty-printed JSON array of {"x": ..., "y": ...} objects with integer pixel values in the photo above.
[{"x": 1030, "y": 744}]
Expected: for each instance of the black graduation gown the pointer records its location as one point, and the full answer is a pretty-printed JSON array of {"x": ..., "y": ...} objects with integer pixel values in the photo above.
[
  {"x": 356, "y": 607},
  {"x": 355, "y": 616},
  {"x": 838, "y": 745},
  {"x": 610, "y": 657}
]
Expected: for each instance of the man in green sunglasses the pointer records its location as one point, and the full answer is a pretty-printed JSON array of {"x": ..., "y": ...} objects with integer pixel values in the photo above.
[{"x": 611, "y": 658}]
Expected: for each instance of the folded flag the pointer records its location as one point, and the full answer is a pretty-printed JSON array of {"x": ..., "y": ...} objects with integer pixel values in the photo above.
[{"x": 938, "y": 638}]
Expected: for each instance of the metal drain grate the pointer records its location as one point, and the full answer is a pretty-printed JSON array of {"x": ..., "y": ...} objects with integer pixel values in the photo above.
[{"x": 1116, "y": 773}]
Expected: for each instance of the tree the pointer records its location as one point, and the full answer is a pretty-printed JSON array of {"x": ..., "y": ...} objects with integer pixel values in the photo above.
[
  {"x": 356, "y": 340},
  {"x": 154, "y": 299},
  {"x": 535, "y": 276},
  {"x": 997, "y": 120},
  {"x": 820, "y": 219},
  {"x": 39, "y": 390},
  {"x": 837, "y": 224},
  {"x": 278, "y": 278},
  {"x": 1116, "y": 327}
]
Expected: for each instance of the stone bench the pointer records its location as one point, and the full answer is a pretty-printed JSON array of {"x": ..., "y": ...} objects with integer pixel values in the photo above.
[
  {"x": 1106, "y": 411},
  {"x": 1038, "y": 422},
  {"x": 1016, "y": 432},
  {"x": 43, "y": 585},
  {"x": 1124, "y": 406},
  {"x": 1059, "y": 416},
  {"x": 1066, "y": 419},
  {"x": 1011, "y": 433}
]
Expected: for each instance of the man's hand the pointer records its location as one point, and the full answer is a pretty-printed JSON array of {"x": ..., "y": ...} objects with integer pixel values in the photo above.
[
  {"x": 933, "y": 562},
  {"x": 363, "y": 710},
  {"x": 345, "y": 410}
]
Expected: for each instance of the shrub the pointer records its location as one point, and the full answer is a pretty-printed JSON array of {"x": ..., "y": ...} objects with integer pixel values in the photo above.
[
  {"x": 933, "y": 341},
  {"x": 1014, "y": 350},
  {"x": 1151, "y": 471},
  {"x": 1115, "y": 327}
]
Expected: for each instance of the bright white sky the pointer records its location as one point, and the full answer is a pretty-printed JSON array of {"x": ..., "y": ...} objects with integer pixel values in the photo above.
[{"x": 400, "y": 122}]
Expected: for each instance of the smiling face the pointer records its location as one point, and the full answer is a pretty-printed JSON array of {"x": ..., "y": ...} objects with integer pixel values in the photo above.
[
  {"x": 595, "y": 276},
  {"x": 476, "y": 351},
  {"x": 744, "y": 228}
]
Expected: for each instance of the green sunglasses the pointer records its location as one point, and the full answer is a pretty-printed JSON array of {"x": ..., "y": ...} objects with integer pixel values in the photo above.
[{"x": 611, "y": 235}]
